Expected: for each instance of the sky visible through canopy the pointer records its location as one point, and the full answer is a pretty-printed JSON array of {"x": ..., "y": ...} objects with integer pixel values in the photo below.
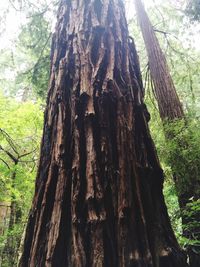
[{"x": 11, "y": 18}]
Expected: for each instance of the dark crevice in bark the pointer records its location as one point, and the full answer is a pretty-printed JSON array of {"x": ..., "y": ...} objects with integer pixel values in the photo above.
[
  {"x": 47, "y": 205},
  {"x": 98, "y": 8}
]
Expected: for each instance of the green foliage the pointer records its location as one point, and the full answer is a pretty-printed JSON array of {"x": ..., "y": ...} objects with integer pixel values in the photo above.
[
  {"x": 182, "y": 152},
  {"x": 25, "y": 64},
  {"x": 20, "y": 134},
  {"x": 24, "y": 74},
  {"x": 173, "y": 205},
  {"x": 33, "y": 49},
  {"x": 15, "y": 235},
  {"x": 23, "y": 123},
  {"x": 192, "y": 226}
]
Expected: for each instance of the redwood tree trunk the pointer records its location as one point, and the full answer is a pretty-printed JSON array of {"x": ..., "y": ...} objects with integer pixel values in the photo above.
[
  {"x": 170, "y": 107},
  {"x": 98, "y": 199}
]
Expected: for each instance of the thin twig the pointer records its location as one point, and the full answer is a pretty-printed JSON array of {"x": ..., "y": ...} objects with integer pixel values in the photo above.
[
  {"x": 5, "y": 163},
  {"x": 9, "y": 140},
  {"x": 13, "y": 158},
  {"x": 26, "y": 154}
]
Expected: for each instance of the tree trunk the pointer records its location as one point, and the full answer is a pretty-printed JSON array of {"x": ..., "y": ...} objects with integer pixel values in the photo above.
[
  {"x": 170, "y": 110},
  {"x": 98, "y": 199},
  {"x": 10, "y": 251},
  {"x": 169, "y": 104},
  {"x": 4, "y": 222},
  {"x": 4, "y": 215}
]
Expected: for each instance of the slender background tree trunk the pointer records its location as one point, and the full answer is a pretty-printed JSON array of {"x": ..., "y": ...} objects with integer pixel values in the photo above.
[
  {"x": 4, "y": 222},
  {"x": 10, "y": 250},
  {"x": 169, "y": 104},
  {"x": 98, "y": 199}
]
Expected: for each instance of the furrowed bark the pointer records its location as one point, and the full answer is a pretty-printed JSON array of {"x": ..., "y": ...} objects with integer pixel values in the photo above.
[
  {"x": 98, "y": 199},
  {"x": 170, "y": 107}
]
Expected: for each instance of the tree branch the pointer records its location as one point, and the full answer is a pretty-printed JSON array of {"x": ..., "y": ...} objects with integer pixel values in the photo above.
[
  {"x": 13, "y": 158},
  {"x": 5, "y": 163},
  {"x": 9, "y": 140},
  {"x": 26, "y": 154}
]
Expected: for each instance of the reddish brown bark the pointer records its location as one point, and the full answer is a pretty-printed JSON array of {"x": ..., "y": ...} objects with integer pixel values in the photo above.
[
  {"x": 98, "y": 199},
  {"x": 169, "y": 104}
]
